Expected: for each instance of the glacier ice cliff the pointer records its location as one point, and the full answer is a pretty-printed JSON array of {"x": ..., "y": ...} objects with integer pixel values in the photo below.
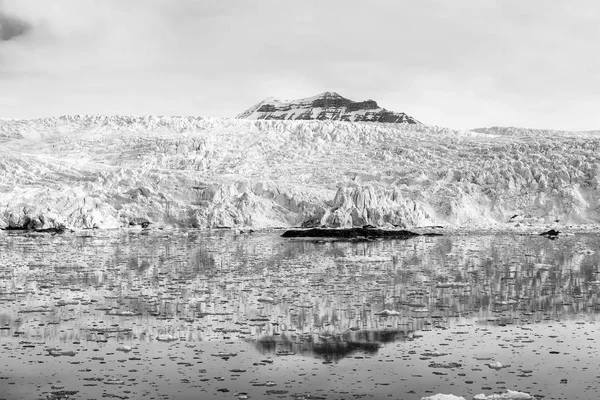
[{"x": 109, "y": 172}]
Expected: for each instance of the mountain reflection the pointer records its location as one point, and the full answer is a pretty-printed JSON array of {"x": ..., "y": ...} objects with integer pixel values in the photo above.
[
  {"x": 326, "y": 299},
  {"x": 331, "y": 347}
]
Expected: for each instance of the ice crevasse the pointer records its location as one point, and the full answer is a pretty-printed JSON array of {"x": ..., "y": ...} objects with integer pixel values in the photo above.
[{"x": 110, "y": 172}]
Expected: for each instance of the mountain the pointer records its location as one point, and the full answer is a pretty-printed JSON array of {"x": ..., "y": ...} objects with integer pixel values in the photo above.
[{"x": 325, "y": 106}]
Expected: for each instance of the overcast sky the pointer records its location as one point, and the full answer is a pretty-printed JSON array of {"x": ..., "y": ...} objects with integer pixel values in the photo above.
[{"x": 459, "y": 63}]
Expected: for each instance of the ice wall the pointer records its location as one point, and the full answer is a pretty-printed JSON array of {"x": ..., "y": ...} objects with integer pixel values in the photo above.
[{"x": 108, "y": 172}]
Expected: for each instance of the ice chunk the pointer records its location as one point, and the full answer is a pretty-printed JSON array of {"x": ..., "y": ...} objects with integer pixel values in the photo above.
[
  {"x": 388, "y": 313},
  {"x": 441, "y": 396},
  {"x": 509, "y": 395}
]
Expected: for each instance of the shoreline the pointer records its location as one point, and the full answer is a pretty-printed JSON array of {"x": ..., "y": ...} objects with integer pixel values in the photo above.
[{"x": 418, "y": 230}]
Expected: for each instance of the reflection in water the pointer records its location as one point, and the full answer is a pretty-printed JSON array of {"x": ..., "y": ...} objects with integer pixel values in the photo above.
[
  {"x": 331, "y": 347},
  {"x": 329, "y": 299}
]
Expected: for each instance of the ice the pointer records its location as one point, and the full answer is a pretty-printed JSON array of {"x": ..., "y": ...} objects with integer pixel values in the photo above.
[
  {"x": 497, "y": 365},
  {"x": 111, "y": 172},
  {"x": 441, "y": 396},
  {"x": 124, "y": 348},
  {"x": 363, "y": 259},
  {"x": 509, "y": 395},
  {"x": 389, "y": 313},
  {"x": 165, "y": 337}
]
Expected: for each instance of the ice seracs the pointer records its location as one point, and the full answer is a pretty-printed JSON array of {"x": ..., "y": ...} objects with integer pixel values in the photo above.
[
  {"x": 325, "y": 106},
  {"x": 106, "y": 172}
]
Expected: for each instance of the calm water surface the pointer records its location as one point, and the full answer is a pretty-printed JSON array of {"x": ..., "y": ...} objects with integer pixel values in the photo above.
[{"x": 201, "y": 315}]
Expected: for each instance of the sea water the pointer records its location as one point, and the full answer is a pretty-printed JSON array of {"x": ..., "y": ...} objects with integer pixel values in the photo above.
[{"x": 219, "y": 314}]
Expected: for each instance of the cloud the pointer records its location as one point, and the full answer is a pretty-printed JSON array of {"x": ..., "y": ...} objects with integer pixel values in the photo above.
[
  {"x": 11, "y": 27},
  {"x": 74, "y": 38},
  {"x": 464, "y": 61}
]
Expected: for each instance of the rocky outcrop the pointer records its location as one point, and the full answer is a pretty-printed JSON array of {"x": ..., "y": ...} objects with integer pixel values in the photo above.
[
  {"x": 325, "y": 106},
  {"x": 350, "y": 233}
]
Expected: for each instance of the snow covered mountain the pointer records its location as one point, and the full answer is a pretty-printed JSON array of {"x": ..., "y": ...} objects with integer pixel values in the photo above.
[
  {"x": 109, "y": 172},
  {"x": 328, "y": 106}
]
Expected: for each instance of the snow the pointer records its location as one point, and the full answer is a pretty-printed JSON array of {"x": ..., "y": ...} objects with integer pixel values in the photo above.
[{"x": 110, "y": 172}]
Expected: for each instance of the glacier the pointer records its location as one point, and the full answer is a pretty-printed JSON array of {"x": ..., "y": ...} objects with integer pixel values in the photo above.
[{"x": 108, "y": 172}]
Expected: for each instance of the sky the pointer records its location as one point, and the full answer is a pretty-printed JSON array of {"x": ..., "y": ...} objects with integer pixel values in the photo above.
[{"x": 461, "y": 64}]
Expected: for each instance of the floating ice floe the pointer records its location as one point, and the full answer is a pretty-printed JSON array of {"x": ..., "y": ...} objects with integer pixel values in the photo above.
[
  {"x": 451, "y": 285},
  {"x": 441, "y": 396},
  {"x": 366, "y": 259},
  {"x": 120, "y": 313},
  {"x": 59, "y": 353},
  {"x": 509, "y": 395},
  {"x": 448, "y": 365},
  {"x": 388, "y": 313},
  {"x": 433, "y": 354},
  {"x": 497, "y": 365},
  {"x": 165, "y": 337},
  {"x": 266, "y": 299}
]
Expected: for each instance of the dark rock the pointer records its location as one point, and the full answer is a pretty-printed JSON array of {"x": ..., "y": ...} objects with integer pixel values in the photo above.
[
  {"x": 551, "y": 234},
  {"x": 144, "y": 223},
  {"x": 350, "y": 233},
  {"x": 328, "y": 106},
  {"x": 27, "y": 227},
  {"x": 57, "y": 229},
  {"x": 362, "y": 105}
]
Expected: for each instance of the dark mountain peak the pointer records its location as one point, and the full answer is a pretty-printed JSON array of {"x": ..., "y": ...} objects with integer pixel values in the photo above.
[{"x": 325, "y": 106}]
